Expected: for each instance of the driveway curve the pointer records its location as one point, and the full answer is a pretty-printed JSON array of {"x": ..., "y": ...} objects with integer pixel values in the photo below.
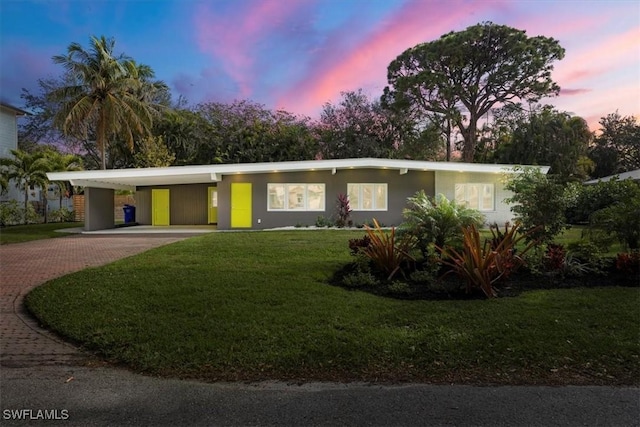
[{"x": 23, "y": 266}]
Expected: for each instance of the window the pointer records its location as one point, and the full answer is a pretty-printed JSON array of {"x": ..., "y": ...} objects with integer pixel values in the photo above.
[
  {"x": 476, "y": 196},
  {"x": 367, "y": 197},
  {"x": 295, "y": 197}
]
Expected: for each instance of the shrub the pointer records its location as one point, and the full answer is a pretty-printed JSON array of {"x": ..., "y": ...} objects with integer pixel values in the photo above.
[
  {"x": 584, "y": 200},
  {"x": 343, "y": 211},
  {"x": 508, "y": 239},
  {"x": 359, "y": 279},
  {"x": 399, "y": 288},
  {"x": 587, "y": 252},
  {"x": 13, "y": 213},
  {"x": 357, "y": 246},
  {"x": 538, "y": 203},
  {"x": 628, "y": 263},
  {"x": 555, "y": 257},
  {"x": 480, "y": 264},
  {"x": 436, "y": 220},
  {"x": 622, "y": 219},
  {"x": 386, "y": 251},
  {"x": 322, "y": 222},
  {"x": 62, "y": 215}
]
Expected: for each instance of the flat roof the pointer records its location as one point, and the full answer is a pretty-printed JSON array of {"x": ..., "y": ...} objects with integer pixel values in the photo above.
[
  {"x": 129, "y": 179},
  {"x": 16, "y": 110},
  {"x": 634, "y": 175}
]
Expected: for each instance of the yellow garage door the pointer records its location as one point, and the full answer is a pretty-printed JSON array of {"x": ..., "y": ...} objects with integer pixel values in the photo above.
[
  {"x": 240, "y": 205},
  {"x": 160, "y": 207}
]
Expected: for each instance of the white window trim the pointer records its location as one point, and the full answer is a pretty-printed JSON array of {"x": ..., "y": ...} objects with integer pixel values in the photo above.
[
  {"x": 306, "y": 197},
  {"x": 373, "y": 202},
  {"x": 482, "y": 186}
]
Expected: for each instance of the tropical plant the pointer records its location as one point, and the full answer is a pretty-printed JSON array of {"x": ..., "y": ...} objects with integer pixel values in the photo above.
[
  {"x": 436, "y": 220},
  {"x": 621, "y": 219},
  {"x": 584, "y": 200},
  {"x": 537, "y": 202},
  {"x": 59, "y": 162},
  {"x": 11, "y": 213},
  {"x": 483, "y": 264},
  {"x": 106, "y": 96},
  {"x": 386, "y": 251},
  {"x": 26, "y": 170},
  {"x": 628, "y": 262},
  {"x": 343, "y": 211}
]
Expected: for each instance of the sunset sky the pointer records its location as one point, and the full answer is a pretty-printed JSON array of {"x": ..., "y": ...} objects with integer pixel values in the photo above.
[{"x": 298, "y": 54}]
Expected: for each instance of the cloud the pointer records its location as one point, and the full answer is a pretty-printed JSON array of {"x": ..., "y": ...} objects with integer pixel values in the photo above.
[
  {"x": 363, "y": 65},
  {"x": 22, "y": 66},
  {"x": 570, "y": 92},
  {"x": 235, "y": 38}
]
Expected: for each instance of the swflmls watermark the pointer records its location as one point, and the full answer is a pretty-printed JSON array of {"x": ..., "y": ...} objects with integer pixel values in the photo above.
[{"x": 35, "y": 414}]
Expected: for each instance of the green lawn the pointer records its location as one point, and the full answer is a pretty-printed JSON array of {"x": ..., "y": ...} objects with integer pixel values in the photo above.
[
  {"x": 256, "y": 305},
  {"x": 25, "y": 233}
]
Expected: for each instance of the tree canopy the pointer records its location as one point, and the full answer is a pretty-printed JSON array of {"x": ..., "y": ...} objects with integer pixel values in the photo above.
[
  {"x": 617, "y": 148},
  {"x": 462, "y": 75},
  {"x": 110, "y": 96},
  {"x": 547, "y": 136}
]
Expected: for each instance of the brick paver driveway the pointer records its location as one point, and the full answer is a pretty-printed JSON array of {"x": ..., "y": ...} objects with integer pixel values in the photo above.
[{"x": 25, "y": 265}]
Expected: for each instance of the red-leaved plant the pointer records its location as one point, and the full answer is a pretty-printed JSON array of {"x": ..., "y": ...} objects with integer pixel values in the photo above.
[
  {"x": 483, "y": 264},
  {"x": 387, "y": 252}
]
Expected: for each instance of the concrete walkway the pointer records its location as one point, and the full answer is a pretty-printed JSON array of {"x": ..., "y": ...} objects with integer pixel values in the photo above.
[{"x": 25, "y": 265}]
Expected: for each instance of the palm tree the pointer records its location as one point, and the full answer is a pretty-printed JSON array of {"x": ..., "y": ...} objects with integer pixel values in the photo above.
[
  {"x": 27, "y": 170},
  {"x": 106, "y": 97},
  {"x": 59, "y": 162}
]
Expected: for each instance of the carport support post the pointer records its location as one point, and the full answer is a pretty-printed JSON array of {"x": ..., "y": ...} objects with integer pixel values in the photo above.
[{"x": 98, "y": 208}]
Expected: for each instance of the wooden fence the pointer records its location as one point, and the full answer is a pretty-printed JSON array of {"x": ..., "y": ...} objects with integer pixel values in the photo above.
[{"x": 119, "y": 202}]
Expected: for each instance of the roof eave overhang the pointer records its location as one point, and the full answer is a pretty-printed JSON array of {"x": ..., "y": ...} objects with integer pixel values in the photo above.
[{"x": 129, "y": 179}]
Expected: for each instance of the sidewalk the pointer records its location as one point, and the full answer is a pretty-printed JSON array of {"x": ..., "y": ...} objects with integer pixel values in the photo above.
[{"x": 26, "y": 265}]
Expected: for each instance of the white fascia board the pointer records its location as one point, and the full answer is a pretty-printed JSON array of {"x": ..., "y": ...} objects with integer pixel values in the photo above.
[
  {"x": 180, "y": 174},
  {"x": 99, "y": 184}
]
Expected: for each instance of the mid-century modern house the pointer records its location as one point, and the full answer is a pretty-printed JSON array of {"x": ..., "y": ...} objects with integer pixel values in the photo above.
[{"x": 279, "y": 194}]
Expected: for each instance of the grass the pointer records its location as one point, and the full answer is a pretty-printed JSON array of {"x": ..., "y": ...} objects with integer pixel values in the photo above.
[
  {"x": 256, "y": 305},
  {"x": 25, "y": 233}
]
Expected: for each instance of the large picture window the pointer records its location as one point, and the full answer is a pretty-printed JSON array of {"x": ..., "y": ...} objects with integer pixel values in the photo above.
[
  {"x": 367, "y": 197},
  {"x": 296, "y": 197},
  {"x": 476, "y": 196}
]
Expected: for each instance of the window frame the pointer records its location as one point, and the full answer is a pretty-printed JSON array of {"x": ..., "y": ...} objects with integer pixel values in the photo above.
[
  {"x": 481, "y": 186},
  {"x": 374, "y": 204},
  {"x": 305, "y": 207}
]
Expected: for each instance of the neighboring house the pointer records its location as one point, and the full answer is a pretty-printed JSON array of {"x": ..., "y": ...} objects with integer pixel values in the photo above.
[
  {"x": 9, "y": 141},
  {"x": 634, "y": 175},
  {"x": 270, "y": 195}
]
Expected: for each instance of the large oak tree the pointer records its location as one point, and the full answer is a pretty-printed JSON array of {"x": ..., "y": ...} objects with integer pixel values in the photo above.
[{"x": 462, "y": 75}]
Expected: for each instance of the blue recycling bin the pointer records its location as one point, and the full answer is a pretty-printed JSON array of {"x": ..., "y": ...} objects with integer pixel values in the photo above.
[{"x": 129, "y": 214}]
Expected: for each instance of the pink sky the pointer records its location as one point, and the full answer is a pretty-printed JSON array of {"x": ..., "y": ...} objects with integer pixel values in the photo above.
[{"x": 299, "y": 54}]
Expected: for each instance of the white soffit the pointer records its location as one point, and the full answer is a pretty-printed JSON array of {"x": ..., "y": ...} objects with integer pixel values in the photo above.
[{"x": 129, "y": 179}]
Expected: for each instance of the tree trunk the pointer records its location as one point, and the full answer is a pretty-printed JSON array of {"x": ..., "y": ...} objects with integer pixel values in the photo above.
[
  {"x": 26, "y": 201},
  {"x": 101, "y": 139},
  {"x": 469, "y": 141}
]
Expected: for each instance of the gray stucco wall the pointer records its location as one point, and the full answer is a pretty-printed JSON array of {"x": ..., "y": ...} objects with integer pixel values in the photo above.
[
  {"x": 188, "y": 204},
  {"x": 399, "y": 188},
  {"x": 98, "y": 209}
]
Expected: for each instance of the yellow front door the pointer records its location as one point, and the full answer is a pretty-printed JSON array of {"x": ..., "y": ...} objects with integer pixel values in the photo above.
[
  {"x": 240, "y": 205},
  {"x": 160, "y": 207},
  {"x": 213, "y": 205}
]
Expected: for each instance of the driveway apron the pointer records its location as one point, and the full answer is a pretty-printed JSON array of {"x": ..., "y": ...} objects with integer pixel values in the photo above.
[{"x": 24, "y": 266}]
